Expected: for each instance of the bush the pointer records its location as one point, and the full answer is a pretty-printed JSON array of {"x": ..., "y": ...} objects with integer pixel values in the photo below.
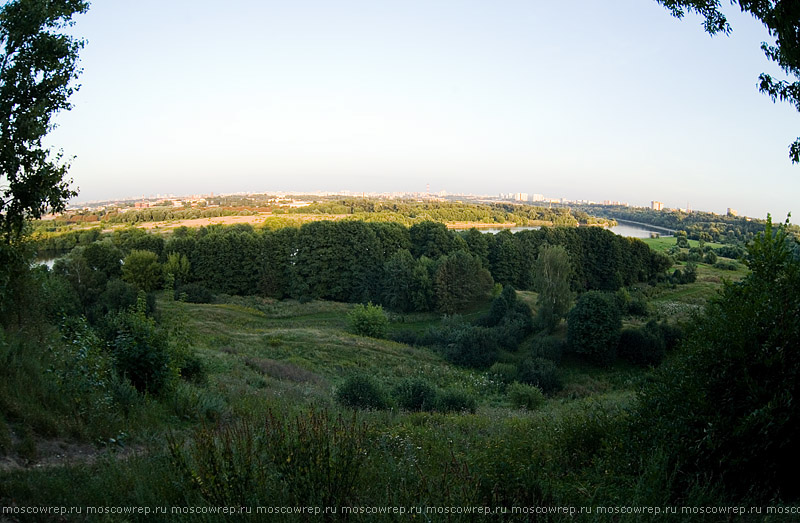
[
  {"x": 456, "y": 400},
  {"x": 505, "y": 373},
  {"x": 193, "y": 369},
  {"x": 361, "y": 391},
  {"x": 710, "y": 258},
  {"x": 637, "y": 306},
  {"x": 368, "y": 320},
  {"x": 541, "y": 373},
  {"x": 415, "y": 394},
  {"x": 193, "y": 293},
  {"x": 727, "y": 265},
  {"x": 473, "y": 347},
  {"x": 525, "y": 396},
  {"x": 141, "y": 351},
  {"x": 593, "y": 327},
  {"x": 641, "y": 347},
  {"x": 547, "y": 347}
]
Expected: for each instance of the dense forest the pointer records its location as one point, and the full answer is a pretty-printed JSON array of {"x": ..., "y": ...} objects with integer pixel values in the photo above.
[{"x": 354, "y": 261}]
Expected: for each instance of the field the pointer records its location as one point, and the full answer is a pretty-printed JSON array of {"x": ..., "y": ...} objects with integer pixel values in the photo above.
[{"x": 665, "y": 243}]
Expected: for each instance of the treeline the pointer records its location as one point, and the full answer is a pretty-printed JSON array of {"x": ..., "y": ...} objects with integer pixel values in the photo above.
[
  {"x": 422, "y": 267},
  {"x": 160, "y": 214},
  {"x": 407, "y": 212},
  {"x": 412, "y": 211},
  {"x": 697, "y": 225}
]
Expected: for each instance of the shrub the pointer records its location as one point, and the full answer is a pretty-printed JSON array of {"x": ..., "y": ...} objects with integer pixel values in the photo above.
[
  {"x": 473, "y": 347},
  {"x": 193, "y": 293},
  {"x": 547, "y": 347},
  {"x": 83, "y": 371},
  {"x": 368, "y": 320},
  {"x": 361, "y": 391},
  {"x": 456, "y": 400},
  {"x": 637, "y": 306},
  {"x": 641, "y": 346},
  {"x": 727, "y": 265},
  {"x": 525, "y": 396},
  {"x": 505, "y": 373},
  {"x": 593, "y": 327},
  {"x": 710, "y": 258},
  {"x": 193, "y": 369},
  {"x": 541, "y": 373},
  {"x": 415, "y": 394},
  {"x": 141, "y": 351}
]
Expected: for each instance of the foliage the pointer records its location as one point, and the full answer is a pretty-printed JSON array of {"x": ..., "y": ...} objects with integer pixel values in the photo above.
[
  {"x": 593, "y": 327},
  {"x": 641, "y": 346},
  {"x": 455, "y": 400},
  {"x": 193, "y": 293},
  {"x": 141, "y": 350},
  {"x": 541, "y": 373},
  {"x": 472, "y": 347},
  {"x": 40, "y": 64},
  {"x": 504, "y": 373},
  {"x": 361, "y": 391},
  {"x": 547, "y": 347},
  {"x": 724, "y": 409},
  {"x": 177, "y": 266},
  {"x": 368, "y": 320},
  {"x": 83, "y": 370},
  {"x": 415, "y": 394},
  {"x": 525, "y": 396},
  {"x": 551, "y": 276},
  {"x": 460, "y": 280},
  {"x": 142, "y": 269}
]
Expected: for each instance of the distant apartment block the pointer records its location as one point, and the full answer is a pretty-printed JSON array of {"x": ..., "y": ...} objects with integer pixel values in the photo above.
[
  {"x": 537, "y": 198},
  {"x": 521, "y": 197},
  {"x": 657, "y": 206}
]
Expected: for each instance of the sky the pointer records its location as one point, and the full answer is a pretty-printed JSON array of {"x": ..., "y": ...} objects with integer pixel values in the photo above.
[{"x": 581, "y": 100}]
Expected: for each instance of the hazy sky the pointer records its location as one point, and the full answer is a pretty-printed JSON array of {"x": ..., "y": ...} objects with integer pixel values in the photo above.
[{"x": 582, "y": 99}]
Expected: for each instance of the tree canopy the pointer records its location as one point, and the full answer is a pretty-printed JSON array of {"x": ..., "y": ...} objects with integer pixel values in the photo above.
[
  {"x": 38, "y": 67},
  {"x": 781, "y": 18}
]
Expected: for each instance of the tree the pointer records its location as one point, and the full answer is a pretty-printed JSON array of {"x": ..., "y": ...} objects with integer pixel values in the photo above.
[
  {"x": 141, "y": 268},
  {"x": 37, "y": 69},
  {"x": 594, "y": 325},
  {"x": 551, "y": 275},
  {"x": 781, "y": 18},
  {"x": 725, "y": 409},
  {"x": 460, "y": 280}
]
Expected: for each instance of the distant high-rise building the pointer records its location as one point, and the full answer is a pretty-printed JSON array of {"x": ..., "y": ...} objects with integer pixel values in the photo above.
[
  {"x": 537, "y": 198},
  {"x": 657, "y": 206},
  {"x": 521, "y": 197}
]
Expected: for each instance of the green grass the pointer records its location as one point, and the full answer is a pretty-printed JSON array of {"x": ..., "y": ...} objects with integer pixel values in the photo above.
[
  {"x": 265, "y": 356},
  {"x": 662, "y": 244}
]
